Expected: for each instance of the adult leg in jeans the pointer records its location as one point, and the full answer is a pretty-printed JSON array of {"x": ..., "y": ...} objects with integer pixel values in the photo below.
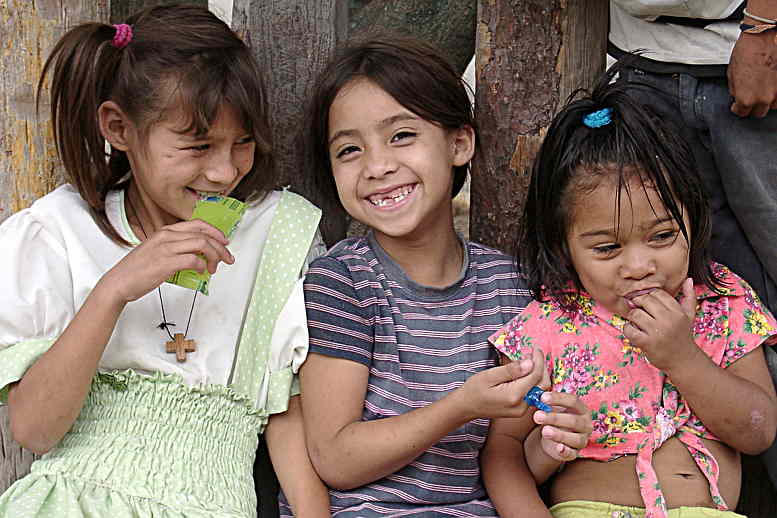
[{"x": 745, "y": 151}]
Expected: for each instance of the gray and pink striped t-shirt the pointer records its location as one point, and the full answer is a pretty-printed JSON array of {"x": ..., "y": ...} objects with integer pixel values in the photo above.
[{"x": 420, "y": 343}]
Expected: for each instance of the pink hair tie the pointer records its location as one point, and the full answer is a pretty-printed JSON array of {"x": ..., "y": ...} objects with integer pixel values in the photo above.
[{"x": 123, "y": 35}]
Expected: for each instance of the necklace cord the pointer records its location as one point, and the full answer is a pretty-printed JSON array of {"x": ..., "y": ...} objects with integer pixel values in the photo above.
[{"x": 164, "y": 324}]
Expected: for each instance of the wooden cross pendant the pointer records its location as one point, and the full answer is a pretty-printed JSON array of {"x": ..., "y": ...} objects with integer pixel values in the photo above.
[{"x": 180, "y": 346}]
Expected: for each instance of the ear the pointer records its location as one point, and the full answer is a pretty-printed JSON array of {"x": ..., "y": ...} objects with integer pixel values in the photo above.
[
  {"x": 115, "y": 126},
  {"x": 463, "y": 142}
]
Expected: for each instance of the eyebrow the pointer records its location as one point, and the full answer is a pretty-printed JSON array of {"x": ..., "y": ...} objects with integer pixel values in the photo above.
[
  {"x": 611, "y": 231},
  {"x": 388, "y": 121}
]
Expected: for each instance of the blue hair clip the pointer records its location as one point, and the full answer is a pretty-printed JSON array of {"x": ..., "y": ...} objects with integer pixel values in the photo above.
[{"x": 598, "y": 118}]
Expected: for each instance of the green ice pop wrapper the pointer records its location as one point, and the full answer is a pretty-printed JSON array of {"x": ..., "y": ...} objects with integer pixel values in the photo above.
[{"x": 224, "y": 214}]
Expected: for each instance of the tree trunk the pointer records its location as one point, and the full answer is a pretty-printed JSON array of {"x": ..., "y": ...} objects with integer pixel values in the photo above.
[
  {"x": 531, "y": 55},
  {"x": 122, "y": 9},
  {"x": 448, "y": 24},
  {"x": 29, "y": 167},
  {"x": 292, "y": 41}
]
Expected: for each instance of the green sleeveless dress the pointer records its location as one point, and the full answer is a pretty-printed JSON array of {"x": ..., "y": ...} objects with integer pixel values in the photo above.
[{"x": 150, "y": 446}]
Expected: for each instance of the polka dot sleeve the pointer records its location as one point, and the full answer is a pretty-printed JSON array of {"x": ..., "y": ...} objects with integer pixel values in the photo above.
[{"x": 289, "y": 347}]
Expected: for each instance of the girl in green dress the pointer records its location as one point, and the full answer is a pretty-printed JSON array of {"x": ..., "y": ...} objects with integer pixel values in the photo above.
[{"x": 144, "y": 398}]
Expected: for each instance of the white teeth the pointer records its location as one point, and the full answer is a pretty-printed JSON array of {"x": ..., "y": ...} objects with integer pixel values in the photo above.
[
  {"x": 395, "y": 198},
  {"x": 206, "y": 194}
]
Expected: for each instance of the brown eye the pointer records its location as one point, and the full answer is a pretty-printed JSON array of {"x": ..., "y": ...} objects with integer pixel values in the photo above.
[
  {"x": 402, "y": 135},
  {"x": 665, "y": 236},
  {"x": 346, "y": 151},
  {"x": 605, "y": 249}
]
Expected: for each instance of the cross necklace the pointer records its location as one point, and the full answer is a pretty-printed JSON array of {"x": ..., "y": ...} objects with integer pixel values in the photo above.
[{"x": 178, "y": 343}]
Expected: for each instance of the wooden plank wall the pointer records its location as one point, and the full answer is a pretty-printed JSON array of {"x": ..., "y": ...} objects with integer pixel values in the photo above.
[{"x": 28, "y": 165}]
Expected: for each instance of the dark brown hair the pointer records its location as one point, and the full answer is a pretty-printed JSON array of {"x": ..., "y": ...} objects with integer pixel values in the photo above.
[
  {"x": 180, "y": 57},
  {"x": 635, "y": 143},
  {"x": 414, "y": 73}
]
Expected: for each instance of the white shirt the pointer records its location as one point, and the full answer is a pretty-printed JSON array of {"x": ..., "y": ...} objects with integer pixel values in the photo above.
[
  {"x": 632, "y": 28},
  {"x": 52, "y": 255}
]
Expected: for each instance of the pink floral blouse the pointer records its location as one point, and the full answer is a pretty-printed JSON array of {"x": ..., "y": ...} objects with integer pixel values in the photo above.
[{"x": 635, "y": 408}]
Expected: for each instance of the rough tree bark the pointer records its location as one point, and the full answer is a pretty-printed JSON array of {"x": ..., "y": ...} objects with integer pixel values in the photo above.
[
  {"x": 292, "y": 40},
  {"x": 449, "y": 24},
  {"x": 28, "y": 164},
  {"x": 122, "y": 9},
  {"x": 531, "y": 55}
]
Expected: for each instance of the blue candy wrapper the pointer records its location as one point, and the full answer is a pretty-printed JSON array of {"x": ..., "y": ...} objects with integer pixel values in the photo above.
[{"x": 533, "y": 398}]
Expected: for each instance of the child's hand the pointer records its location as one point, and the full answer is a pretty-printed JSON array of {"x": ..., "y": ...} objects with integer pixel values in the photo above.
[
  {"x": 662, "y": 327},
  {"x": 499, "y": 391},
  {"x": 194, "y": 245},
  {"x": 566, "y": 430}
]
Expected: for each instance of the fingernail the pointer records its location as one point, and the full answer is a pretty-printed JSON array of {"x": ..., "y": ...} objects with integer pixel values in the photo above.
[
  {"x": 546, "y": 397},
  {"x": 539, "y": 417}
]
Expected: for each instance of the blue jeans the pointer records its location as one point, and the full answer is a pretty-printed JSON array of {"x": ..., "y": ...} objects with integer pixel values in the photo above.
[{"x": 737, "y": 158}]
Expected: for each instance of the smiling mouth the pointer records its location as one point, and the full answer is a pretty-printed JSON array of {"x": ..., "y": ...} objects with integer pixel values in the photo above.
[{"x": 392, "y": 197}]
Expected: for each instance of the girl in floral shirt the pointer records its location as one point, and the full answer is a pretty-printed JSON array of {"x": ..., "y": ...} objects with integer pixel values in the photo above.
[{"x": 661, "y": 344}]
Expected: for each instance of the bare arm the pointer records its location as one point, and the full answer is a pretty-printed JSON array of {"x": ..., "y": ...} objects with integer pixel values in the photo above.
[
  {"x": 737, "y": 404},
  {"x": 507, "y": 478},
  {"x": 348, "y": 452},
  {"x": 752, "y": 71},
  {"x": 44, "y": 404},
  {"x": 285, "y": 435}
]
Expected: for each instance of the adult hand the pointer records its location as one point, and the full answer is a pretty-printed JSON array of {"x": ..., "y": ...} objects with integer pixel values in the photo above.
[
  {"x": 662, "y": 327},
  {"x": 187, "y": 245},
  {"x": 752, "y": 74}
]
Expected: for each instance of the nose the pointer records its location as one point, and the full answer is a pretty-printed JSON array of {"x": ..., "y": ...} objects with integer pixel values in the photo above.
[
  {"x": 221, "y": 169},
  {"x": 637, "y": 263},
  {"x": 379, "y": 162}
]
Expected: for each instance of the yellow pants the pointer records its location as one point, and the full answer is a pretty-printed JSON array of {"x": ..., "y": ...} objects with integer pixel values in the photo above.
[{"x": 586, "y": 509}]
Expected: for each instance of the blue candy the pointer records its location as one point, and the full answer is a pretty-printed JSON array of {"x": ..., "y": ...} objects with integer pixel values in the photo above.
[{"x": 533, "y": 398}]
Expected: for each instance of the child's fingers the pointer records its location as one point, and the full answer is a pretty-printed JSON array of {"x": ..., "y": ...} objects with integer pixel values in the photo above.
[
  {"x": 544, "y": 383},
  {"x": 199, "y": 226},
  {"x": 569, "y": 438},
  {"x": 212, "y": 251},
  {"x": 565, "y": 445},
  {"x": 639, "y": 320},
  {"x": 509, "y": 372},
  {"x": 653, "y": 304},
  {"x": 570, "y": 402},
  {"x": 539, "y": 363},
  {"x": 574, "y": 423},
  {"x": 689, "y": 299}
]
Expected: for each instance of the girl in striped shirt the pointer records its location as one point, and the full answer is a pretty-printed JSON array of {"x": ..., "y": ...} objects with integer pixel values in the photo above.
[{"x": 399, "y": 389}]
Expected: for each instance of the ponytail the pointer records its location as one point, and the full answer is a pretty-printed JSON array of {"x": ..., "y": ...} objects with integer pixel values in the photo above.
[{"x": 83, "y": 68}]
